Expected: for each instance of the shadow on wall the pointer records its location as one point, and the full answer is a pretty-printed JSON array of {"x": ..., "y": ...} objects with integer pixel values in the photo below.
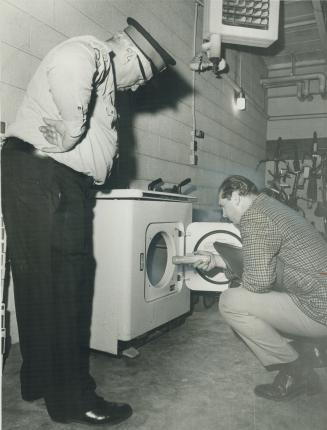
[
  {"x": 207, "y": 215},
  {"x": 163, "y": 92}
]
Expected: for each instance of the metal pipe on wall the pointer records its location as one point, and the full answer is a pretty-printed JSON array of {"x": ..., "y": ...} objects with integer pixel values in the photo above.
[
  {"x": 296, "y": 117},
  {"x": 295, "y": 79}
]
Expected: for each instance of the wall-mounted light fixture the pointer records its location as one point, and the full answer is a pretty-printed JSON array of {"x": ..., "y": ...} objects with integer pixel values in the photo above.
[{"x": 240, "y": 100}]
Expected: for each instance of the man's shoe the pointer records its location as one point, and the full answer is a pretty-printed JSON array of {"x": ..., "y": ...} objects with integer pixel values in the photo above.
[
  {"x": 107, "y": 413},
  {"x": 103, "y": 412},
  {"x": 287, "y": 386},
  {"x": 313, "y": 352}
]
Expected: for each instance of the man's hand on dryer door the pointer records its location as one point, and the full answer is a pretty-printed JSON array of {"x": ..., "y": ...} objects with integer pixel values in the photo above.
[{"x": 213, "y": 261}]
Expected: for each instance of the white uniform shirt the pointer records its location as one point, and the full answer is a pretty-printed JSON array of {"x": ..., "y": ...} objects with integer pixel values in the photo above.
[{"x": 74, "y": 83}]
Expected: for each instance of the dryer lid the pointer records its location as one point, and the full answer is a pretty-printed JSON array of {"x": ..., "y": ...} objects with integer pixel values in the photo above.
[{"x": 138, "y": 194}]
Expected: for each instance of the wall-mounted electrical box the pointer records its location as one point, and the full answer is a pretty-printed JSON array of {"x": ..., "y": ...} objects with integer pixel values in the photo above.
[{"x": 241, "y": 22}]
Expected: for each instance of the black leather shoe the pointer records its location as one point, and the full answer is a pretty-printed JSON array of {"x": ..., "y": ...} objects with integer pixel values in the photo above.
[
  {"x": 287, "y": 386},
  {"x": 313, "y": 352},
  {"x": 103, "y": 412}
]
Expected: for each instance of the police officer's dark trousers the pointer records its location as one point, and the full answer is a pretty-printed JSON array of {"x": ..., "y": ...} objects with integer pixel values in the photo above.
[{"x": 48, "y": 217}]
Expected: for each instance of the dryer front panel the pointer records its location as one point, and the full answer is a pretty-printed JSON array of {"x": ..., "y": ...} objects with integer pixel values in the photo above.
[
  {"x": 162, "y": 242},
  {"x": 200, "y": 236}
]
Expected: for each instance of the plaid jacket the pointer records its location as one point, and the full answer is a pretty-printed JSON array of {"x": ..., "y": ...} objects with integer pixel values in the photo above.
[{"x": 282, "y": 248}]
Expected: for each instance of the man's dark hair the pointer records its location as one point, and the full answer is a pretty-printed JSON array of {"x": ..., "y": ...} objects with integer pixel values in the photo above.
[{"x": 237, "y": 183}]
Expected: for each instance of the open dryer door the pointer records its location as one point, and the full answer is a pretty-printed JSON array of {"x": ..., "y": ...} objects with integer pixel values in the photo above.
[{"x": 201, "y": 236}]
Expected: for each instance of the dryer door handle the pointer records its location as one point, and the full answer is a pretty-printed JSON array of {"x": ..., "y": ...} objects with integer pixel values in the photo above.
[{"x": 141, "y": 261}]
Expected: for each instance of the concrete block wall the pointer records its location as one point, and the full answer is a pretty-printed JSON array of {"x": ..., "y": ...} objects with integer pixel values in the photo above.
[{"x": 157, "y": 121}]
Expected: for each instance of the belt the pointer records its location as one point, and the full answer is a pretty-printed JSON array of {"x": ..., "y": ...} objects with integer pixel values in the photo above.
[{"x": 16, "y": 144}]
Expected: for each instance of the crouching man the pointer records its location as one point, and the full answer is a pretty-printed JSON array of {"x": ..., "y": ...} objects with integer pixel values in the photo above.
[{"x": 283, "y": 288}]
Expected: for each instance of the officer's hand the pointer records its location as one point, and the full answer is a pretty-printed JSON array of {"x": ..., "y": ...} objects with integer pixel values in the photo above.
[{"x": 55, "y": 133}]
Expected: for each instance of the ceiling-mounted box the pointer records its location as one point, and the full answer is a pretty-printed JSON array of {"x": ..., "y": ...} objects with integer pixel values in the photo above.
[{"x": 241, "y": 22}]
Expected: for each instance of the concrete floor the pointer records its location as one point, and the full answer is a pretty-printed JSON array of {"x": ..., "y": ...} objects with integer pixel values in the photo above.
[{"x": 198, "y": 376}]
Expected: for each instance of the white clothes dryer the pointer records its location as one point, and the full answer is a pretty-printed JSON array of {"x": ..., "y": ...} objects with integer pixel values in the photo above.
[{"x": 137, "y": 287}]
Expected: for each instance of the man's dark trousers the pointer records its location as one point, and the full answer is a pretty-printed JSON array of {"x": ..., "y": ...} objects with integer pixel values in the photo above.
[{"x": 47, "y": 209}]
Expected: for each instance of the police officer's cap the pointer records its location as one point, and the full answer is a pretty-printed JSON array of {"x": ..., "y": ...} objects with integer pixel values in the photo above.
[{"x": 154, "y": 52}]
